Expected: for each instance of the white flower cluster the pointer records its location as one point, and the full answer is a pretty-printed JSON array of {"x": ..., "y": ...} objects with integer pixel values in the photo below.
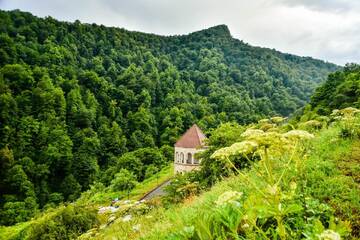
[
  {"x": 136, "y": 228},
  {"x": 298, "y": 134},
  {"x": 312, "y": 124},
  {"x": 256, "y": 138},
  {"x": 263, "y": 121},
  {"x": 127, "y": 218},
  {"x": 346, "y": 112},
  {"x": 244, "y": 147},
  {"x": 329, "y": 235},
  {"x": 252, "y": 133},
  {"x": 229, "y": 197},
  {"x": 277, "y": 119},
  {"x": 349, "y": 111},
  {"x": 263, "y": 138}
]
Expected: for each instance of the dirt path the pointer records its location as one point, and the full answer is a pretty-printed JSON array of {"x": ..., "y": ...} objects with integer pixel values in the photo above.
[{"x": 158, "y": 191}]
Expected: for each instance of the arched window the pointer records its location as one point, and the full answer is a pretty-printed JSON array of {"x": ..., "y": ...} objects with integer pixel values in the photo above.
[
  {"x": 182, "y": 157},
  {"x": 196, "y": 161},
  {"x": 177, "y": 159},
  {"x": 189, "y": 158}
]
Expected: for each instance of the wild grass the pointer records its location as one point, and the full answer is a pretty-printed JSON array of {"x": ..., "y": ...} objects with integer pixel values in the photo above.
[
  {"x": 306, "y": 192},
  {"x": 101, "y": 195},
  {"x": 90, "y": 200},
  {"x": 13, "y": 232}
]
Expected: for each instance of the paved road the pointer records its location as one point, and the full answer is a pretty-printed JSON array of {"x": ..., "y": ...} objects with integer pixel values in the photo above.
[{"x": 159, "y": 191}]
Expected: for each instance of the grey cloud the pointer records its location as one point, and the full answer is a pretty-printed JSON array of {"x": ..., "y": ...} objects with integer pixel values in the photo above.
[{"x": 325, "y": 5}]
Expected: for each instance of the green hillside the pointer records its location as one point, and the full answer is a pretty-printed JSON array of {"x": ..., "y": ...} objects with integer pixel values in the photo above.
[
  {"x": 89, "y": 113},
  {"x": 307, "y": 191},
  {"x": 274, "y": 179},
  {"x": 341, "y": 90},
  {"x": 74, "y": 98}
]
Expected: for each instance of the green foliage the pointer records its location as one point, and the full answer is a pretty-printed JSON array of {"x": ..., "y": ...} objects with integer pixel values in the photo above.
[
  {"x": 75, "y": 98},
  {"x": 349, "y": 121},
  {"x": 123, "y": 180},
  {"x": 225, "y": 134},
  {"x": 66, "y": 223},
  {"x": 181, "y": 187},
  {"x": 142, "y": 163},
  {"x": 341, "y": 90},
  {"x": 14, "y": 212},
  {"x": 301, "y": 185},
  {"x": 150, "y": 171},
  {"x": 297, "y": 190},
  {"x": 168, "y": 152}
]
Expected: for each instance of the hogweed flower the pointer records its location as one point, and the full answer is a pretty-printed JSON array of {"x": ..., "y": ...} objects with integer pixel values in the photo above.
[
  {"x": 221, "y": 153},
  {"x": 136, "y": 227},
  {"x": 273, "y": 190},
  {"x": 293, "y": 186},
  {"x": 277, "y": 119},
  {"x": 349, "y": 111},
  {"x": 265, "y": 139},
  {"x": 312, "y": 124},
  {"x": 266, "y": 126},
  {"x": 273, "y": 129},
  {"x": 335, "y": 112},
  {"x": 127, "y": 218},
  {"x": 245, "y": 226},
  {"x": 189, "y": 229},
  {"x": 298, "y": 134},
  {"x": 252, "y": 133},
  {"x": 228, "y": 197},
  {"x": 329, "y": 235},
  {"x": 244, "y": 147},
  {"x": 261, "y": 121}
]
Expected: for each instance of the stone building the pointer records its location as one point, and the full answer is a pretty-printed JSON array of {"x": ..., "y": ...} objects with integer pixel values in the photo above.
[{"x": 185, "y": 148}]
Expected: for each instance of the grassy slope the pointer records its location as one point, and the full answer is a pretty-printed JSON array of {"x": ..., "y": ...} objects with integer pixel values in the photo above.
[
  {"x": 105, "y": 197},
  {"x": 330, "y": 171},
  {"x": 92, "y": 199}
]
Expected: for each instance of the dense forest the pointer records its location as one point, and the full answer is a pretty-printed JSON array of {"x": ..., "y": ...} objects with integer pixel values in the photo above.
[
  {"x": 81, "y": 102},
  {"x": 341, "y": 90}
]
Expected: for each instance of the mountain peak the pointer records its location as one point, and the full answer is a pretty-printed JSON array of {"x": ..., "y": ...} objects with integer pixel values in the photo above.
[{"x": 219, "y": 30}]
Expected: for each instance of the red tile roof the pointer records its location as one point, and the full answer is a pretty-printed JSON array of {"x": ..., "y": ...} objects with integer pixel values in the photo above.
[{"x": 192, "y": 138}]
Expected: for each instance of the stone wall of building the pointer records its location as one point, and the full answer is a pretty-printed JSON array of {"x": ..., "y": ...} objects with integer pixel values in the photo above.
[{"x": 184, "y": 159}]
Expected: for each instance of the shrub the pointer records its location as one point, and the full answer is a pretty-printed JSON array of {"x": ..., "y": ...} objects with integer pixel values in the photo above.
[
  {"x": 181, "y": 187},
  {"x": 348, "y": 120},
  {"x": 168, "y": 152},
  {"x": 151, "y": 170},
  {"x": 56, "y": 198},
  {"x": 66, "y": 223},
  {"x": 124, "y": 180},
  {"x": 18, "y": 211}
]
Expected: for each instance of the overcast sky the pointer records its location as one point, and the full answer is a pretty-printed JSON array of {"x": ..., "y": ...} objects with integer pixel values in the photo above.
[{"x": 325, "y": 29}]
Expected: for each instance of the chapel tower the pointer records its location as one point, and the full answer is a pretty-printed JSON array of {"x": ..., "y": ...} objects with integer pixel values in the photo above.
[{"x": 185, "y": 148}]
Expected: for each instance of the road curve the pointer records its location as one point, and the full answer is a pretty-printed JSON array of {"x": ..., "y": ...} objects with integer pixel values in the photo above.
[{"x": 158, "y": 191}]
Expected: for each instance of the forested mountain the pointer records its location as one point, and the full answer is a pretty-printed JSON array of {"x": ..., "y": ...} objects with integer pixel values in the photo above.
[
  {"x": 74, "y": 98},
  {"x": 341, "y": 90}
]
